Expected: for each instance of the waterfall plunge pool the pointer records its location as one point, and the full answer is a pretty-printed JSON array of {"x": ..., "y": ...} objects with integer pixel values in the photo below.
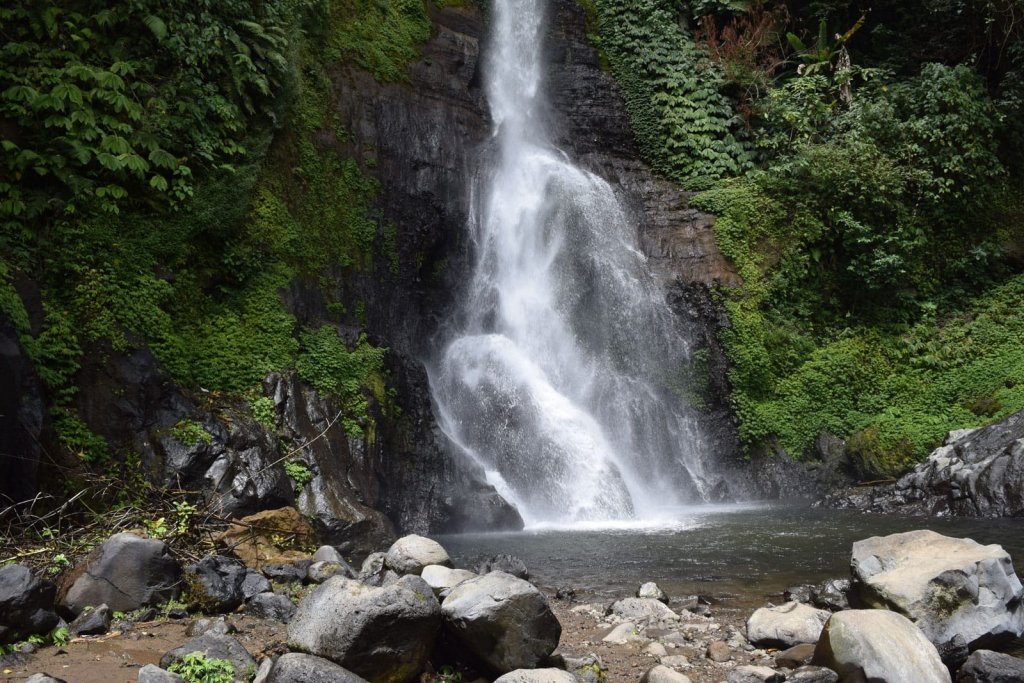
[{"x": 737, "y": 555}]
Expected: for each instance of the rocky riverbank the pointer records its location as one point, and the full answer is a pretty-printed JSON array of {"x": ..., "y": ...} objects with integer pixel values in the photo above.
[{"x": 918, "y": 606}]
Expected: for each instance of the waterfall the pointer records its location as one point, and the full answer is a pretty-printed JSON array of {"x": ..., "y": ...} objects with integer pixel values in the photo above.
[{"x": 557, "y": 374}]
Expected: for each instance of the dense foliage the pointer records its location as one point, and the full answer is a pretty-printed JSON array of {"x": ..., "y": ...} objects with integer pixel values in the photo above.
[
  {"x": 879, "y": 232},
  {"x": 169, "y": 169}
]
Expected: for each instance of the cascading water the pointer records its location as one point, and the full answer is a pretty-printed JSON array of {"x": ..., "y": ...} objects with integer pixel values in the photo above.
[{"x": 558, "y": 376}]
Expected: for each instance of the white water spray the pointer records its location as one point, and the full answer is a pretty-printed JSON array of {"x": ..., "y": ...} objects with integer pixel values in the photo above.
[{"x": 558, "y": 378}]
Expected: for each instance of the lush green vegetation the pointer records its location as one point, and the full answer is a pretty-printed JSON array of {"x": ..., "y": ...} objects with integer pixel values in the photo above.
[
  {"x": 169, "y": 169},
  {"x": 873, "y": 211}
]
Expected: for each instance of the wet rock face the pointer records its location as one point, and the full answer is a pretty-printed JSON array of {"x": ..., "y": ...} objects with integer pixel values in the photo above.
[
  {"x": 975, "y": 473},
  {"x": 21, "y": 419}
]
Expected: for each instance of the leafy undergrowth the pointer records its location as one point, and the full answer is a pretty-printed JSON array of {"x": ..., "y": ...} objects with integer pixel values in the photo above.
[{"x": 179, "y": 224}]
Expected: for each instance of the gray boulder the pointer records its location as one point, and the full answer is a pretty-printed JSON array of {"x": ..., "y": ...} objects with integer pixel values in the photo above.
[
  {"x": 646, "y": 610},
  {"x": 151, "y": 673},
  {"x": 215, "y": 583},
  {"x": 126, "y": 572},
  {"x": 319, "y": 572},
  {"x": 879, "y": 646},
  {"x": 663, "y": 674},
  {"x": 947, "y": 586},
  {"x": 812, "y": 674},
  {"x": 284, "y": 572},
  {"x": 755, "y": 674},
  {"x": 985, "y": 666},
  {"x": 26, "y": 604},
  {"x": 509, "y": 564},
  {"x": 385, "y": 634},
  {"x": 214, "y": 646},
  {"x": 271, "y": 606},
  {"x": 537, "y": 676},
  {"x": 786, "y": 625},
  {"x": 44, "y": 678},
  {"x": 372, "y": 566},
  {"x": 254, "y": 583},
  {"x": 442, "y": 578},
  {"x": 504, "y": 621},
  {"x": 832, "y": 595},
  {"x": 410, "y": 554},
  {"x": 652, "y": 590},
  {"x": 295, "y": 667},
  {"x": 92, "y": 622},
  {"x": 328, "y": 553}
]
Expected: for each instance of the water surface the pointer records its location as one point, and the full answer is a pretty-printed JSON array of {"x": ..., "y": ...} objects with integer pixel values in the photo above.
[{"x": 737, "y": 554}]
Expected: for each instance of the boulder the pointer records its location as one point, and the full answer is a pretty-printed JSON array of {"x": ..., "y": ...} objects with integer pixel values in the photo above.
[
  {"x": 214, "y": 584},
  {"x": 947, "y": 586},
  {"x": 151, "y": 673},
  {"x": 383, "y": 634},
  {"x": 509, "y": 564},
  {"x": 328, "y": 553},
  {"x": 505, "y": 621},
  {"x": 786, "y": 625},
  {"x": 44, "y": 678},
  {"x": 254, "y": 583},
  {"x": 676, "y": 661},
  {"x": 799, "y": 593},
  {"x": 985, "y": 666},
  {"x": 440, "y": 578},
  {"x": 622, "y": 634},
  {"x": 26, "y": 604},
  {"x": 832, "y": 595},
  {"x": 271, "y": 606},
  {"x": 879, "y": 646},
  {"x": 295, "y": 667},
  {"x": 91, "y": 622},
  {"x": 214, "y": 646},
  {"x": 812, "y": 674},
  {"x": 795, "y": 657},
  {"x": 663, "y": 674},
  {"x": 646, "y": 610},
  {"x": 587, "y": 669},
  {"x": 126, "y": 572},
  {"x": 256, "y": 539},
  {"x": 372, "y": 569},
  {"x": 284, "y": 572},
  {"x": 653, "y": 591},
  {"x": 319, "y": 572},
  {"x": 263, "y": 673},
  {"x": 719, "y": 651},
  {"x": 755, "y": 674},
  {"x": 537, "y": 676},
  {"x": 219, "y": 626},
  {"x": 410, "y": 554}
]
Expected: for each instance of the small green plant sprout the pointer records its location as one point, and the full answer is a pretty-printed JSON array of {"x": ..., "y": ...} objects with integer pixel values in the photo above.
[
  {"x": 263, "y": 411},
  {"x": 184, "y": 512},
  {"x": 58, "y": 563},
  {"x": 156, "y": 528},
  {"x": 299, "y": 472},
  {"x": 60, "y": 636},
  {"x": 196, "y": 667},
  {"x": 190, "y": 433}
]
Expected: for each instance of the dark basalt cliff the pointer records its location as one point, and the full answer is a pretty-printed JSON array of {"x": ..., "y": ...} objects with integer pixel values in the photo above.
[{"x": 420, "y": 140}]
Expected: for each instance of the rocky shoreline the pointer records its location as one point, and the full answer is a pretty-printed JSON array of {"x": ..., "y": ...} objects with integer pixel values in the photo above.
[{"x": 918, "y": 606}]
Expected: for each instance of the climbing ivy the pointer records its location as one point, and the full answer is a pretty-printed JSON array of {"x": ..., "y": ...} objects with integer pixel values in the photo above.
[{"x": 683, "y": 124}]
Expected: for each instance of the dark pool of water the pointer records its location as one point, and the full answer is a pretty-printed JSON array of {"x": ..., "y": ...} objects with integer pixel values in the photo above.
[{"x": 737, "y": 554}]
